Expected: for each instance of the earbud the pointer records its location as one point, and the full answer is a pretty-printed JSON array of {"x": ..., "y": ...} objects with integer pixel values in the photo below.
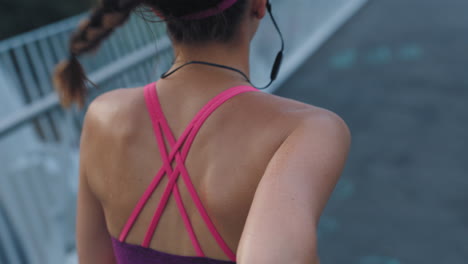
[
  {"x": 279, "y": 58},
  {"x": 276, "y": 66}
]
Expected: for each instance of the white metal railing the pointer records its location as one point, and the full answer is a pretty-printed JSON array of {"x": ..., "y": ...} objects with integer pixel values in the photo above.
[
  {"x": 99, "y": 77},
  {"x": 28, "y": 61}
]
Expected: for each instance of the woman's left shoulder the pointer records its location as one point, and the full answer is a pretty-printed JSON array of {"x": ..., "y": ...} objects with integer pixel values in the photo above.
[
  {"x": 116, "y": 101},
  {"x": 113, "y": 107},
  {"x": 112, "y": 115}
]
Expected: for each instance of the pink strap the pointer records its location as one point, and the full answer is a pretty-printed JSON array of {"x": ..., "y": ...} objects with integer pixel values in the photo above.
[
  {"x": 221, "y": 7},
  {"x": 161, "y": 126},
  {"x": 151, "y": 100}
]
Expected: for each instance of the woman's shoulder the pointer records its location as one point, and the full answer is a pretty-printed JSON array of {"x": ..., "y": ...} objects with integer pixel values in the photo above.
[
  {"x": 126, "y": 105},
  {"x": 296, "y": 112},
  {"x": 111, "y": 117},
  {"x": 118, "y": 101},
  {"x": 112, "y": 107}
]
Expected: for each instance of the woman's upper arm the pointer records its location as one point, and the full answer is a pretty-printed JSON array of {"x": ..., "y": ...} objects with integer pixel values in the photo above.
[
  {"x": 93, "y": 240},
  {"x": 282, "y": 223}
]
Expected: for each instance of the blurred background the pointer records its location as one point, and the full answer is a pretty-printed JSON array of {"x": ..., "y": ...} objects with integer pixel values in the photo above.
[{"x": 396, "y": 71}]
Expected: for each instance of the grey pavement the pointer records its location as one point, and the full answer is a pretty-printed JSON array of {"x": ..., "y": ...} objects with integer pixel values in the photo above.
[{"x": 397, "y": 74}]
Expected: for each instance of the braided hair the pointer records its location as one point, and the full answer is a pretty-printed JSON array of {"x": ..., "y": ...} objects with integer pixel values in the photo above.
[{"x": 70, "y": 79}]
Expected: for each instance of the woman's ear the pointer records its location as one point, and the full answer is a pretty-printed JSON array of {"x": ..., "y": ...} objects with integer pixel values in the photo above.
[{"x": 259, "y": 8}]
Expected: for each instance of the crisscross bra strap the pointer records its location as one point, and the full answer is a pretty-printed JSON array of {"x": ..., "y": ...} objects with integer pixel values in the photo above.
[{"x": 179, "y": 151}]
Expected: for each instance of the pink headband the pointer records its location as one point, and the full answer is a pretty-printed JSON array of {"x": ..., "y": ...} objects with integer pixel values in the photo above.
[{"x": 221, "y": 7}]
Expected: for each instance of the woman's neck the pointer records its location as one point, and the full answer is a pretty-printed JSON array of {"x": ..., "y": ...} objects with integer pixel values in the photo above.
[{"x": 232, "y": 55}]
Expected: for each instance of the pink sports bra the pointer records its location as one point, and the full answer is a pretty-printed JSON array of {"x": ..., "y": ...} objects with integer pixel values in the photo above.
[{"x": 134, "y": 254}]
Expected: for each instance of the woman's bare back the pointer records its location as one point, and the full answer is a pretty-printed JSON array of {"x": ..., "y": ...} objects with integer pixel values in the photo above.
[{"x": 226, "y": 161}]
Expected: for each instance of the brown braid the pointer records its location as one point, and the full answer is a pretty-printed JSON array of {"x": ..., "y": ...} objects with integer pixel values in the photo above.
[{"x": 69, "y": 78}]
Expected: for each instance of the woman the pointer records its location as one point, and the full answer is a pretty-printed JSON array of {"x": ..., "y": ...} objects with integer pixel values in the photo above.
[{"x": 256, "y": 169}]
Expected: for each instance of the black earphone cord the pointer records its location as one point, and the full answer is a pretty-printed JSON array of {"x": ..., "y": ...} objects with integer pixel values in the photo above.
[{"x": 274, "y": 71}]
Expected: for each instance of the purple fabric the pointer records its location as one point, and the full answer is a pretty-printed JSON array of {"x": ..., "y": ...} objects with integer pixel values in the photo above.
[{"x": 134, "y": 254}]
